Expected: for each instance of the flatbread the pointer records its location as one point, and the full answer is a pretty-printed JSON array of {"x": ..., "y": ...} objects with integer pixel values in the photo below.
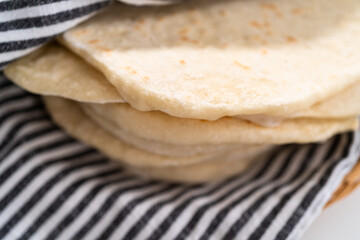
[
  {"x": 55, "y": 71},
  {"x": 197, "y": 173},
  {"x": 58, "y": 72},
  {"x": 158, "y": 126},
  {"x": 163, "y": 147},
  {"x": 69, "y": 116},
  {"x": 344, "y": 104},
  {"x": 206, "y": 59}
]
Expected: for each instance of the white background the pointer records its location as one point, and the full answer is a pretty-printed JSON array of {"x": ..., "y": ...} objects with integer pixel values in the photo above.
[{"x": 341, "y": 221}]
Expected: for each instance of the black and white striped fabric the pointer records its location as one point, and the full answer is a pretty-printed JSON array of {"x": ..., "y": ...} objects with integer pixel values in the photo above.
[
  {"x": 53, "y": 187},
  {"x": 27, "y": 24}
]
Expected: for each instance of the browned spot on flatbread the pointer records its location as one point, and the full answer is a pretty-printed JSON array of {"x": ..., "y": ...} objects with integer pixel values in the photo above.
[
  {"x": 160, "y": 19},
  {"x": 195, "y": 20},
  {"x": 297, "y": 11},
  {"x": 291, "y": 39},
  {"x": 141, "y": 21},
  {"x": 242, "y": 65},
  {"x": 222, "y": 13},
  {"x": 268, "y": 33},
  {"x": 272, "y": 7},
  {"x": 145, "y": 78},
  {"x": 130, "y": 70},
  {"x": 102, "y": 48},
  {"x": 269, "y": 6},
  {"x": 93, "y": 41},
  {"x": 80, "y": 32},
  {"x": 185, "y": 39},
  {"x": 183, "y": 31},
  {"x": 255, "y": 24}
]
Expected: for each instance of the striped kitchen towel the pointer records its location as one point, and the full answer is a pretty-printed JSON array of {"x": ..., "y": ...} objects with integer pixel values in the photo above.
[{"x": 53, "y": 187}]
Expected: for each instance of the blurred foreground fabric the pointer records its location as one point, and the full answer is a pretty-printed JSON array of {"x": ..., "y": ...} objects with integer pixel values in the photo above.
[{"x": 53, "y": 187}]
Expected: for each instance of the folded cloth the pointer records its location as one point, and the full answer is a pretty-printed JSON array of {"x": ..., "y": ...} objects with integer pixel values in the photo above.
[
  {"x": 53, "y": 187},
  {"x": 26, "y": 25}
]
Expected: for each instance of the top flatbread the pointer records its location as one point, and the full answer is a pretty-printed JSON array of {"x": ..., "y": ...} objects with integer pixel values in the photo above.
[
  {"x": 55, "y": 71},
  {"x": 207, "y": 59},
  {"x": 344, "y": 104}
]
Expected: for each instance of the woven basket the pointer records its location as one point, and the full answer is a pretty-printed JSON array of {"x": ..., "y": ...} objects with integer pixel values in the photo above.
[{"x": 348, "y": 185}]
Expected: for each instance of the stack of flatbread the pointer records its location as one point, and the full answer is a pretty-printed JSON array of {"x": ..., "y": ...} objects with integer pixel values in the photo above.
[{"x": 198, "y": 91}]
